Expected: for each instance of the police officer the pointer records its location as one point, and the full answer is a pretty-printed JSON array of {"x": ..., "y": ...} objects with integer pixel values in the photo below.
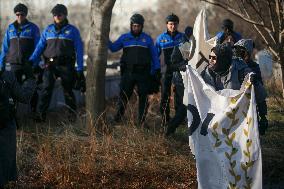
[
  {"x": 11, "y": 90},
  {"x": 180, "y": 57},
  {"x": 228, "y": 34},
  {"x": 61, "y": 46},
  {"x": 165, "y": 43},
  {"x": 19, "y": 43},
  {"x": 138, "y": 62}
]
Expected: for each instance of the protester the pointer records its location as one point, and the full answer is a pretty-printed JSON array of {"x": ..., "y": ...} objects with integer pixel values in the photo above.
[
  {"x": 11, "y": 89},
  {"x": 228, "y": 34},
  {"x": 61, "y": 46},
  {"x": 19, "y": 43},
  {"x": 139, "y": 62},
  {"x": 165, "y": 44},
  {"x": 226, "y": 72},
  {"x": 243, "y": 49},
  {"x": 180, "y": 57}
]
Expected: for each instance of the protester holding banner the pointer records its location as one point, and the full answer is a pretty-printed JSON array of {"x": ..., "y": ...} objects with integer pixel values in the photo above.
[
  {"x": 180, "y": 57},
  {"x": 243, "y": 49},
  {"x": 165, "y": 44},
  {"x": 225, "y": 72}
]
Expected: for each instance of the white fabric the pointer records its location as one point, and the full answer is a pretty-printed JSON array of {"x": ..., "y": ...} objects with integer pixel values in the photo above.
[
  {"x": 213, "y": 166},
  {"x": 229, "y": 155}
]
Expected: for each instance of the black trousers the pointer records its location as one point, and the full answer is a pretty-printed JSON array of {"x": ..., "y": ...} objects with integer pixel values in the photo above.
[
  {"x": 127, "y": 84},
  {"x": 8, "y": 167},
  {"x": 50, "y": 74},
  {"x": 165, "y": 96},
  {"x": 180, "y": 108}
]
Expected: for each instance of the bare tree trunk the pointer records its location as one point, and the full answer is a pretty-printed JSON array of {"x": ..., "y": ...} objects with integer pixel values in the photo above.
[
  {"x": 101, "y": 11},
  {"x": 282, "y": 73}
]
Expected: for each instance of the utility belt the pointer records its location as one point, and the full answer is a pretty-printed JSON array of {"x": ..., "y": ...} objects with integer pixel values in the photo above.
[{"x": 60, "y": 60}]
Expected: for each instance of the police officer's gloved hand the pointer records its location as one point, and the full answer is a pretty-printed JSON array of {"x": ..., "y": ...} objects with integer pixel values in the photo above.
[
  {"x": 158, "y": 75},
  {"x": 35, "y": 68},
  {"x": 262, "y": 125},
  {"x": 2, "y": 69},
  {"x": 182, "y": 67},
  {"x": 28, "y": 70},
  {"x": 80, "y": 83},
  {"x": 156, "y": 82}
]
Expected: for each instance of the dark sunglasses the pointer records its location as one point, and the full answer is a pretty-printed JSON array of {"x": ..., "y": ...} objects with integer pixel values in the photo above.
[
  {"x": 212, "y": 57},
  {"x": 20, "y": 14}
]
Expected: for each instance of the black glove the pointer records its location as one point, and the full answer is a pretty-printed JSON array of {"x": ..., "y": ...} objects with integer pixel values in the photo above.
[
  {"x": 80, "y": 82},
  {"x": 262, "y": 125},
  {"x": 28, "y": 70},
  {"x": 158, "y": 75},
  {"x": 155, "y": 80},
  {"x": 182, "y": 67}
]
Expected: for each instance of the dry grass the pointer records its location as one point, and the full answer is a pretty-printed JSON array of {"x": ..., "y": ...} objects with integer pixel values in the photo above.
[{"x": 63, "y": 155}]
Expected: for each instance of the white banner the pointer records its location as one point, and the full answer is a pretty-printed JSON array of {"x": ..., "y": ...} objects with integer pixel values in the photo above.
[
  {"x": 223, "y": 128},
  {"x": 223, "y": 137}
]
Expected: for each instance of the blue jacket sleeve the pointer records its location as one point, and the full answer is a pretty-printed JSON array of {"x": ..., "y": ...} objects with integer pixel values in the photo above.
[
  {"x": 117, "y": 45},
  {"x": 5, "y": 48},
  {"x": 36, "y": 39},
  {"x": 154, "y": 55},
  {"x": 79, "y": 50},
  {"x": 39, "y": 49},
  {"x": 158, "y": 47}
]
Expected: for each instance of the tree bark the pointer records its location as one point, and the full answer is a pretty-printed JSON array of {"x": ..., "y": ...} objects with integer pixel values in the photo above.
[{"x": 101, "y": 11}]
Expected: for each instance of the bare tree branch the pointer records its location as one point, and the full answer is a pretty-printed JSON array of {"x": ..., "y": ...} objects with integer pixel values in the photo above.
[
  {"x": 270, "y": 15},
  {"x": 277, "y": 10},
  {"x": 257, "y": 11},
  {"x": 107, "y": 4},
  {"x": 234, "y": 12}
]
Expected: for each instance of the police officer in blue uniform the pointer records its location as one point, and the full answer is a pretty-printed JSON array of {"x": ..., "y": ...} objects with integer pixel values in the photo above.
[
  {"x": 19, "y": 43},
  {"x": 139, "y": 62},
  {"x": 165, "y": 44},
  {"x": 228, "y": 31},
  {"x": 61, "y": 46}
]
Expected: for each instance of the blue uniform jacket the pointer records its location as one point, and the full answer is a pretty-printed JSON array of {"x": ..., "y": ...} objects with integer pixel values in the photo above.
[
  {"x": 137, "y": 50},
  {"x": 18, "y": 45},
  {"x": 166, "y": 43},
  {"x": 63, "y": 43},
  {"x": 220, "y": 36}
]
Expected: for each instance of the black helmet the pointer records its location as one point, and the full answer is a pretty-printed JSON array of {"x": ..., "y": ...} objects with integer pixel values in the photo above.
[
  {"x": 172, "y": 18},
  {"x": 227, "y": 23},
  {"x": 137, "y": 19},
  {"x": 21, "y": 8},
  {"x": 59, "y": 9}
]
